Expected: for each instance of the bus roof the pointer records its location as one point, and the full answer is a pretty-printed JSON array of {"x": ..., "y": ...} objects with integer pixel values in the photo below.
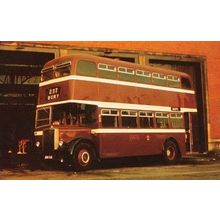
[{"x": 116, "y": 62}]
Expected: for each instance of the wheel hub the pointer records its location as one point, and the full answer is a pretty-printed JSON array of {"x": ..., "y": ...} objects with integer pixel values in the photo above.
[
  {"x": 170, "y": 153},
  {"x": 84, "y": 157}
]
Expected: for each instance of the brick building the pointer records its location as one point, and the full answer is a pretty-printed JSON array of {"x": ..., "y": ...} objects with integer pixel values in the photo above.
[{"x": 20, "y": 64}]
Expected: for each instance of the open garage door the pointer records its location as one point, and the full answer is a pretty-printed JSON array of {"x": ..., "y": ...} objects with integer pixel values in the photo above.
[
  {"x": 19, "y": 79},
  {"x": 197, "y": 121}
]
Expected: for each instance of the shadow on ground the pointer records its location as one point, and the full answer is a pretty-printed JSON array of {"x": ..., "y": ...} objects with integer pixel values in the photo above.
[{"x": 21, "y": 164}]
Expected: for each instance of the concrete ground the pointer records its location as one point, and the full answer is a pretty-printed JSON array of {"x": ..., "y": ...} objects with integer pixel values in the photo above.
[{"x": 191, "y": 167}]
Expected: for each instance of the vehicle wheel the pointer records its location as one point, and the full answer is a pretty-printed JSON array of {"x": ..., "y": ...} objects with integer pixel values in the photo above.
[
  {"x": 83, "y": 156},
  {"x": 171, "y": 153}
]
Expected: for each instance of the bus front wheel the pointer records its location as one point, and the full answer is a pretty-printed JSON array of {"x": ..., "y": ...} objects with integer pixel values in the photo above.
[
  {"x": 171, "y": 153},
  {"x": 83, "y": 156}
]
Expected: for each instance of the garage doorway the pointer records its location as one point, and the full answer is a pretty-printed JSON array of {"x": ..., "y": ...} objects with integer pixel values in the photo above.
[
  {"x": 199, "y": 120},
  {"x": 19, "y": 79}
]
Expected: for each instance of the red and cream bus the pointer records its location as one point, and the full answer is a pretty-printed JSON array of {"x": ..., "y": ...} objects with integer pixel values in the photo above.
[{"x": 91, "y": 108}]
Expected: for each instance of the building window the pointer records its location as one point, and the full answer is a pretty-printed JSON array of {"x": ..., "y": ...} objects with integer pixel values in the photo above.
[
  {"x": 109, "y": 118},
  {"x": 146, "y": 119},
  {"x": 162, "y": 120},
  {"x": 129, "y": 118},
  {"x": 86, "y": 68}
]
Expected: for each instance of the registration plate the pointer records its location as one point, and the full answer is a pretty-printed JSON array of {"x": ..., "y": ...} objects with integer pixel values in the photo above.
[{"x": 48, "y": 157}]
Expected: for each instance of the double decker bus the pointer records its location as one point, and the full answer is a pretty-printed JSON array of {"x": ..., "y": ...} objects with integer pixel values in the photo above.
[{"x": 91, "y": 108}]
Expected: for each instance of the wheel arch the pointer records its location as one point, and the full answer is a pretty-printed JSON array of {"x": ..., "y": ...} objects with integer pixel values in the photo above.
[{"x": 72, "y": 144}]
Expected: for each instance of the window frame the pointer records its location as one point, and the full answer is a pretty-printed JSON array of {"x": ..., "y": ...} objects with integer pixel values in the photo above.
[
  {"x": 37, "y": 116},
  {"x": 149, "y": 117},
  {"x": 126, "y": 70},
  {"x": 143, "y": 73},
  {"x": 159, "y": 76},
  {"x": 129, "y": 115},
  {"x": 146, "y": 116},
  {"x": 173, "y": 78},
  {"x": 106, "y": 69},
  {"x": 110, "y": 114}
]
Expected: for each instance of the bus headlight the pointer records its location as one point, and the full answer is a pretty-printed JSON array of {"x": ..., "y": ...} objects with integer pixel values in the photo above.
[
  {"x": 61, "y": 143},
  {"x": 37, "y": 144}
]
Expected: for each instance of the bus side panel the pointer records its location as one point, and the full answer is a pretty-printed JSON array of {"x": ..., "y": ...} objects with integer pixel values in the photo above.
[
  {"x": 84, "y": 90},
  {"x": 124, "y": 94},
  {"x": 125, "y": 145},
  {"x": 93, "y": 91}
]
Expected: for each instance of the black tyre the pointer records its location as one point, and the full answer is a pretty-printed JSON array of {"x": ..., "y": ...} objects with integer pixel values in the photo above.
[
  {"x": 84, "y": 156},
  {"x": 171, "y": 153}
]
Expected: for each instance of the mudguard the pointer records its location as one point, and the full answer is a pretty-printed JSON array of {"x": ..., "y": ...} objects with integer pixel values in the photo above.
[{"x": 72, "y": 144}]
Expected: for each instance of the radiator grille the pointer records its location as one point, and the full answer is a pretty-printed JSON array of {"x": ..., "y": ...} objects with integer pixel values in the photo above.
[{"x": 48, "y": 144}]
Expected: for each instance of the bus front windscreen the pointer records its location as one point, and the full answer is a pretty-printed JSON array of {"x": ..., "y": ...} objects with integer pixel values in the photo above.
[{"x": 43, "y": 117}]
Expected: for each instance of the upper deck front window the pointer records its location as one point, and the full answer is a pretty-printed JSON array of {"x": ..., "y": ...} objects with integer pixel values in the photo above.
[{"x": 59, "y": 70}]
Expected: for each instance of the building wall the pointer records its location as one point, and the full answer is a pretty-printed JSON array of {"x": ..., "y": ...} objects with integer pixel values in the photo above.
[{"x": 210, "y": 51}]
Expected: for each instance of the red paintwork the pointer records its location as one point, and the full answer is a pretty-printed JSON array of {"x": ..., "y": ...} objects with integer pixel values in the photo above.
[
  {"x": 125, "y": 145},
  {"x": 117, "y": 93}
]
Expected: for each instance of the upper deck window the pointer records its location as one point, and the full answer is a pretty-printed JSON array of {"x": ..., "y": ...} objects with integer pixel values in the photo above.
[
  {"x": 143, "y": 73},
  {"x": 47, "y": 74},
  {"x": 59, "y": 70},
  {"x": 62, "y": 69},
  {"x": 126, "y": 70},
  {"x": 126, "y": 74},
  {"x": 185, "y": 83},
  {"x": 107, "y": 71},
  {"x": 106, "y": 67},
  {"x": 143, "y": 76},
  {"x": 173, "y": 81},
  {"x": 86, "y": 68},
  {"x": 159, "y": 79}
]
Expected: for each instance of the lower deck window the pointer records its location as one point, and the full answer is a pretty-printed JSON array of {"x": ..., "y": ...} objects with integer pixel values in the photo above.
[
  {"x": 43, "y": 117},
  {"x": 176, "y": 120},
  {"x": 74, "y": 114},
  {"x": 162, "y": 120},
  {"x": 129, "y": 122},
  {"x": 177, "y": 123},
  {"x": 109, "y": 121},
  {"x": 146, "y": 122}
]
